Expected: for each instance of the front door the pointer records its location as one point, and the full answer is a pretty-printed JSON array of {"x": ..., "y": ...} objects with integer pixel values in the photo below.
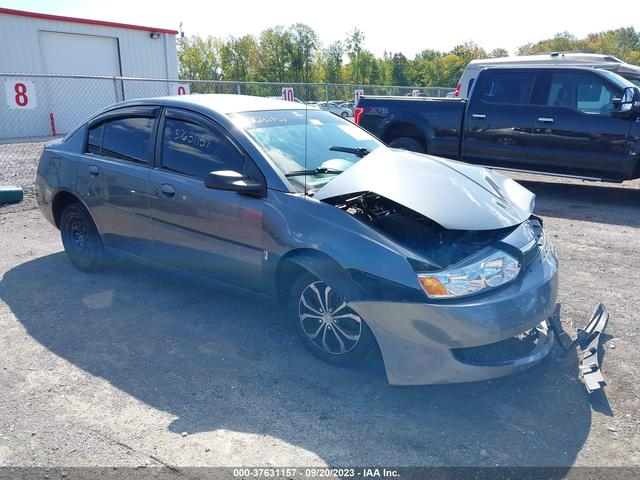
[
  {"x": 574, "y": 129},
  {"x": 212, "y": 232}
]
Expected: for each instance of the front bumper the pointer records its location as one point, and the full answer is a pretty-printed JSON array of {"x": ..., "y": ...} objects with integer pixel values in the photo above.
[{"x": 420, "y": 342}]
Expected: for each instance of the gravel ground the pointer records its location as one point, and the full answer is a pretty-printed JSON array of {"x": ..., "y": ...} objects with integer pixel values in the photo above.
[{"x": 138, "y": 366}]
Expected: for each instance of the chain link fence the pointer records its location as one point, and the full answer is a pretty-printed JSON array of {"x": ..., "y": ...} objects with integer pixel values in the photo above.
[{"x": 36, "y": 108}]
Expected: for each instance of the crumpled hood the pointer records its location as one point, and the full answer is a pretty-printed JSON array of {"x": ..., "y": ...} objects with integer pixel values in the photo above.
[{"x": 456, "y": 195}]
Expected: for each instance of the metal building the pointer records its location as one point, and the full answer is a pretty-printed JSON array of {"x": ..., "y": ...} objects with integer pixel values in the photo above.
[{"x": 35, "y": 43}]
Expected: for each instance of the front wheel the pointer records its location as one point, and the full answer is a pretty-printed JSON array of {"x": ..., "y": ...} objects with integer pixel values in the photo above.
[
  {"x": 327, "y": 326},
  {"x": 81, "y": 239},
  {"x": 344, "y": 114}
]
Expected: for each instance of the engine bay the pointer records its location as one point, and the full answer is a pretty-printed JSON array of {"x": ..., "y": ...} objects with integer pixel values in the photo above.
[{"x": 439, "y": 246}]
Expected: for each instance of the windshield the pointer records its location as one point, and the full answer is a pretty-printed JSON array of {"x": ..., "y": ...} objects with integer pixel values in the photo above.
[
  {"x": 619, "y": 80},
  {"x": 282, "y": 136}
]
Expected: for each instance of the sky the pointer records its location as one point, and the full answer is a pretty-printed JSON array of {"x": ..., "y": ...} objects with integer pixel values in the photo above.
[{"x": 407, "y": 26}]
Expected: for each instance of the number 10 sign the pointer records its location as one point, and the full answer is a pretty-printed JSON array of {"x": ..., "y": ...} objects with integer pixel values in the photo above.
[{"x": 21, "y": 94}]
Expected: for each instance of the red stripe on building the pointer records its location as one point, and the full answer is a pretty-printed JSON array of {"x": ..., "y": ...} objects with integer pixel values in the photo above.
[{"x": 86, "y": 21}]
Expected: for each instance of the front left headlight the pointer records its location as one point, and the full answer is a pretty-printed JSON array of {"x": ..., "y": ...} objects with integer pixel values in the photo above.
[{"x": 498, "y": 268}]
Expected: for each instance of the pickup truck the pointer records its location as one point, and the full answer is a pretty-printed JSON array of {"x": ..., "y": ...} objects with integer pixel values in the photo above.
[{"x": 567, "y": 121}]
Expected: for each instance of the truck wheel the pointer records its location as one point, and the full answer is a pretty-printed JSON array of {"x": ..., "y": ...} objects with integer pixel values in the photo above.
[
  {"x": 81, "y": 239},
  {"x": 407, "y": 143},
  {"x": 327, "y": 326}
]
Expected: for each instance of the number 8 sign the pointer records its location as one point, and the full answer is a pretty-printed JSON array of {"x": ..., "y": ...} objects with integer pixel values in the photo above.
[{"x": 21, "y": 94}]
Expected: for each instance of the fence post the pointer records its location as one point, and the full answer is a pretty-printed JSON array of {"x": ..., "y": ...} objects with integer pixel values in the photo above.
[
  {"x": 239, "y": 89},
  {"x": 115, "y": 90},
  {"x": 326, "y": 93}
]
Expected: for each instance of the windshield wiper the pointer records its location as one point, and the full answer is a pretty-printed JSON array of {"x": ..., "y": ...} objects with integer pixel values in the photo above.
[
  {"x": 359, "y": 151},
  {"x": 313, "y": 171}
]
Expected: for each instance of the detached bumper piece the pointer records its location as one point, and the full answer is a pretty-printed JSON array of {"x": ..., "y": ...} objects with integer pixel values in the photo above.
[
  {"x": 588, "y": 343},
  {"x": 10, "y": 195}
]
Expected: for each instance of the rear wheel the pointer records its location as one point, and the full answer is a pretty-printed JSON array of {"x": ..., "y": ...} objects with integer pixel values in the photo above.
[
  {"x": 344, "y": 114},
  {"x": 81, "y": 239},
  {"x": 327, "y": 326},
  {"x": 407, "y": 143}
]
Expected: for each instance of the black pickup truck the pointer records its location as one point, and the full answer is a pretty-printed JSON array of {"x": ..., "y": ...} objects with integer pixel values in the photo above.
[{"x": 570, "y": 121}]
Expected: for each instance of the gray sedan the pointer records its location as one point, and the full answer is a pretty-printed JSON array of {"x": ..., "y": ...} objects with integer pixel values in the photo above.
[{"x": 439, "y": 265}]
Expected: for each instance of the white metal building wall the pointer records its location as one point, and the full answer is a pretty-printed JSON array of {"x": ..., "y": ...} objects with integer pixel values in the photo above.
[{"x": 28, "y": 45}]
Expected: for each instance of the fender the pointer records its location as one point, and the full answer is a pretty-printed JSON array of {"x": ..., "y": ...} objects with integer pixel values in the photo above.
[{"x": 320, "y": 265}]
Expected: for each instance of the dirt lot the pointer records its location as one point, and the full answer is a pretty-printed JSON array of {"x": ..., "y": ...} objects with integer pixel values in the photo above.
[{"x": 139, "y": 366}]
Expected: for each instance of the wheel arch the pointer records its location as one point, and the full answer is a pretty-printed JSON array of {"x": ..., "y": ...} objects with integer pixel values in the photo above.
[
  {"x": 401, "y": 126},
  {"x": 319, "y": 264},
  {"x": 61, "y": 200}
]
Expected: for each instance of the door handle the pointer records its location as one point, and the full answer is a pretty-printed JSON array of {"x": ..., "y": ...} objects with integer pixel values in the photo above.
[
  {"x": 546, "y": 119},
  {"x": 167, "y": 190},
  {"x": 479, "y": 115},
  {"x": 93, "y": 170}
]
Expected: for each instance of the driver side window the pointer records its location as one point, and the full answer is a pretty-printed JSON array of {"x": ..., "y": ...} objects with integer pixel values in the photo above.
[
  {"x": 583, "y": 92},
  {"x": 196, "y": 150}
]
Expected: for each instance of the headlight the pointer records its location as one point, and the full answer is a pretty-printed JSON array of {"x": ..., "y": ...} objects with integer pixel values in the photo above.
[{"x": 492, "y": 271}]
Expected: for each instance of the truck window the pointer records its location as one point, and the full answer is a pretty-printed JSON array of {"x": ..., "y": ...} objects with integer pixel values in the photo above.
[
  {"x": 583, "y": 92},
  {"x": 507, "y": 87}
]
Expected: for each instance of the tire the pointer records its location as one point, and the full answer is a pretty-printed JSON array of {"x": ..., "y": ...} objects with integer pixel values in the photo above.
[
  {"x": 81, "y": 240},
  {"x": 408, "y": 143},
  {"x": 343, "y": 339},
  {"x": 344, "y": 114}
]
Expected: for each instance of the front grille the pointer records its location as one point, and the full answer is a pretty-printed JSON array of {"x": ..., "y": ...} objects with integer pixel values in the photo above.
[
  {"x": 531, "y": 254},
  {"x": 500, "y": 352}
]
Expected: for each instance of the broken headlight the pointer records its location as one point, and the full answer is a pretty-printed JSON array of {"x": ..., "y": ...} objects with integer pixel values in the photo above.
[{"x": 472, "y": 276}]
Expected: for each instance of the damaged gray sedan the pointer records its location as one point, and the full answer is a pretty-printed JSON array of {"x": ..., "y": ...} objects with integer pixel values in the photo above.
[{"x": 440, "y": 265}]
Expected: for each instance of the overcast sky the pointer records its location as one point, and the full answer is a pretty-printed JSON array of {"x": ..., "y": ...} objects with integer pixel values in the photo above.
[{"x": 399, "y": 26}]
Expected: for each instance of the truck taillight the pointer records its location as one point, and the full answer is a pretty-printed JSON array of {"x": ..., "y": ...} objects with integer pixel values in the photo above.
[
  {"x": 357, "y": 113},
  {"x": 457, "y": 92}
]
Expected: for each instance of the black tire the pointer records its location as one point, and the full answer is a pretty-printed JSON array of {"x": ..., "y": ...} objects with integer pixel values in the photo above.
[
  {"x": 408, "y": 143},
  {"x": 347, "y": 341},
  {"x": 81, "y": 240},
  {"x": 344, "y": 114}
]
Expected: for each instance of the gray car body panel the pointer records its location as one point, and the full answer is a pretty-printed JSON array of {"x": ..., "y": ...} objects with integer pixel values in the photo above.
[
  {"x": 245, "y": 240},
  {"x": 456, "y": 195}
]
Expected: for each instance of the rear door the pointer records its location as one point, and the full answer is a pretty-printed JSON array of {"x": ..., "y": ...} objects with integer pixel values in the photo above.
[
  {"x": 499, "y": 118},
  {"x": 113, "y": 177},
  {"x": 211, "y": 232},
  {"x": 574, "y": 129}
]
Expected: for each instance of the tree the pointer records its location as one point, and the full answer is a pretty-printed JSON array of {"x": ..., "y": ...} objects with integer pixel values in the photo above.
[
  {"x": 274, "y": 54},
  {"x": 355, "y": 47},
  {"x": 469, "y": 51},
  {"x": 399, "y": 73},
  {"x": 332, "y": 58},
  {"x": 199, "y": 59},
  {"x": 304, "y": 44},
  {"x": 238, "y": 58},
  {"x": 498, "y": 53}
]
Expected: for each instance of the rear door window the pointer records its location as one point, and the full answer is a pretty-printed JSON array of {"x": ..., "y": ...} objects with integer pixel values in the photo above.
[
  {"x": 128, "y": 138},
  {"x": 512, "y": 88},
  {"x": 196, "y": 150}
]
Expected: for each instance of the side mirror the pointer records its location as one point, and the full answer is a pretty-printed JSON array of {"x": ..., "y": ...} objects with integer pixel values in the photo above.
[
  {"x": 628, "y": 104},
  {"x": 234, "y": 182}
]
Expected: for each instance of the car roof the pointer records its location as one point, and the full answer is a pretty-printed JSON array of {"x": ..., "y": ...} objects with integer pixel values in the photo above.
[
  {"x": 549, "y": 58},
  {"x": 219, "y": 102}
]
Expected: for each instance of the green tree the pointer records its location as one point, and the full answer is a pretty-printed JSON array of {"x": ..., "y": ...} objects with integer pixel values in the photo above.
[
  {"x": 274, "y": 55},
  {"x": 238, "y": 57},
  {"x": 199, "y": 59},
  {"x": 332, "y": 60},
  {"x": 304, "y": 45},
  {"x": 355, "y": 48},
  {"x": 498, "y": 53}
]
